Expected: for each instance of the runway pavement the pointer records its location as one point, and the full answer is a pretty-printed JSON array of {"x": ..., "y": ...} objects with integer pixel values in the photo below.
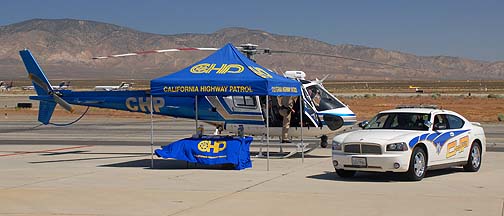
[
  {"x": 100, "y": 166},
  {"x": 123, "y": 131}
]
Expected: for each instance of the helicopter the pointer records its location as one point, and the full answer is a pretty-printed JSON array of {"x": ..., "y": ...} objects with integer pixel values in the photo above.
[{"x": 323, "y": 113}]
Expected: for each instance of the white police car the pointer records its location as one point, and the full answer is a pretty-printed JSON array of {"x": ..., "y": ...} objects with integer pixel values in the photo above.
[{"x": 411, "y": 140}]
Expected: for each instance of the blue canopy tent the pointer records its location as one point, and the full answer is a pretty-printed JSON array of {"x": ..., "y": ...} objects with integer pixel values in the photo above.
[{"x": 227, "y": 72}]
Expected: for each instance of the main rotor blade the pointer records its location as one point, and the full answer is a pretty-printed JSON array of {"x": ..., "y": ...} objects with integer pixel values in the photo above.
[
  {"x": 156, "y": 51},
  {"x": 323, "y": 79},
  {"x": 63, "y": 103},
  {"x": 344, "y": 57}
]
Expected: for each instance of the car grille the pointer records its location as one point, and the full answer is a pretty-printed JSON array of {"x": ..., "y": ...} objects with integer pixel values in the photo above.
[{"x": 362, "y": 149}]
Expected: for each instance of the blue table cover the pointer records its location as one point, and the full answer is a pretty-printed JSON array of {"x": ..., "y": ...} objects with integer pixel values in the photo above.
[{"x": 210, "y": 150}]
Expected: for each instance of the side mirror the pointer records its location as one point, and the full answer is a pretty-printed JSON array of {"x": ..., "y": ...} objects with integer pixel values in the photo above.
[{"x": 363, "y": 124}]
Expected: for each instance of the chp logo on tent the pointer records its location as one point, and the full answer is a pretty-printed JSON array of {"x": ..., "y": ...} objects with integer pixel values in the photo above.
[
  {"x": 222, "y": 69},
  {"x": 260, "y": 72},
  {"x": 206, "y": 68}
]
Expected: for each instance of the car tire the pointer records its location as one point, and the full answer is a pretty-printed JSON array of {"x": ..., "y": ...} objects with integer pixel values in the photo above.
[
  {"x": 418, "y": 165},
  {"x": 345, "y": 173},
  {"x": 474, "y": 159}
]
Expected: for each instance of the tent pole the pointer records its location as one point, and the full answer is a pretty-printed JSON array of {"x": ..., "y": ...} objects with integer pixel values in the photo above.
[
  {"x": 196, "y": 107},
  {"x": 267, "y": 132},
  {"x": 301, "y": 101},
  {"x": 152, "y": 132}
]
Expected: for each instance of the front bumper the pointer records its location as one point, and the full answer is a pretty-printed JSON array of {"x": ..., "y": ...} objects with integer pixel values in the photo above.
[{"x": 374, "y": 163}]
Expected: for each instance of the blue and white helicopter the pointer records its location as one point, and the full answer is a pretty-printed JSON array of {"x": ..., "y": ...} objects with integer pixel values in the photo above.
[{"x": 323, "y": 113}]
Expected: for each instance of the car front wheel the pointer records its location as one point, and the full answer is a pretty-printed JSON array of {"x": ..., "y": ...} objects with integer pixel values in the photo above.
[
  {"x": 418, "y": 165},
  {"x": 474, "y": 160}
]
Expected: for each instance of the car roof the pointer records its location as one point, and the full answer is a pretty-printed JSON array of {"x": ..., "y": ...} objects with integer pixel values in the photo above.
[
  {"x": 409, "y": 110},
  {"x": 417, "y": 110}
]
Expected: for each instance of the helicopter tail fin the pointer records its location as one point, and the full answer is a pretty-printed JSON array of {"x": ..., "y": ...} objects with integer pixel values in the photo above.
[
  {"x": 45, "y": 92},
  {"x": 35, "y": 73}
]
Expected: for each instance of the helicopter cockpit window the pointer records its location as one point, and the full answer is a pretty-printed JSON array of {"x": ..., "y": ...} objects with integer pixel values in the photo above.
[
  {"x": 322, "y": 99},
  {"x": 244, "y": 101}
]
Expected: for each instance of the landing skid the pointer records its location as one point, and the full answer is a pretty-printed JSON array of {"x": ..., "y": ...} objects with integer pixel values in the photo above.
[{"x": 285, "y": 150}]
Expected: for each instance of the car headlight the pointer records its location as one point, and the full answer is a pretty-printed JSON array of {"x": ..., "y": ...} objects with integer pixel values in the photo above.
[
  {"x": 397, "y": 147},
  {"x": 336, "y": 145}
]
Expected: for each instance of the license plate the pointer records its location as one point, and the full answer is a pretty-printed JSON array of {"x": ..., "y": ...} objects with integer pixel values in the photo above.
[{"x": 359, "y": 161}]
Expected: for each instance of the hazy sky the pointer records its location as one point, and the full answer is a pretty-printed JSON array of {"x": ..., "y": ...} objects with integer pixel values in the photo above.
[{"x": 472, "y": 29}]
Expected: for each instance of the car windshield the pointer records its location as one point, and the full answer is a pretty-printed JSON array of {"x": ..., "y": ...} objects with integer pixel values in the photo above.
[
  {"x": 399, "y": 121},
  {"x": 322, "y": 99}
]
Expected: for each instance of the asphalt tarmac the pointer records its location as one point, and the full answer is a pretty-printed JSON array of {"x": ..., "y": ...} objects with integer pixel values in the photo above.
[{"x": 101, "y": 166}]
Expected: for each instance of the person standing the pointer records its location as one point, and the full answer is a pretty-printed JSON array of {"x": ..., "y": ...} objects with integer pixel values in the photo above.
[{"x": 286, "y": 109}]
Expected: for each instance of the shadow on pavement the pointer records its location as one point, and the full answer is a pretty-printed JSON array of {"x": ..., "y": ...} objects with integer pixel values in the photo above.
[
  {"x": 83, "y": 159},
  {"x": 382, "y": 177},
  {"x": 168, "y": 164}
]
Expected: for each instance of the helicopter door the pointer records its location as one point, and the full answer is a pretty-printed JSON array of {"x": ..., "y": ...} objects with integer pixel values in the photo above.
[{"x": 310, "y": 113}]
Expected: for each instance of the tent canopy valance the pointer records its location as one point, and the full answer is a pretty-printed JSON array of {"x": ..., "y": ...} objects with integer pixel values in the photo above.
[{"x": 226, "y": 72}]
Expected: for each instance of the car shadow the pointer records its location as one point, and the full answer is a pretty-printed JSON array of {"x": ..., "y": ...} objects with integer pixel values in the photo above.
[
  {"x": 441, "y": 172},
  {"x": 382, "y": 177},
  {"x": 359, "y": 177}
]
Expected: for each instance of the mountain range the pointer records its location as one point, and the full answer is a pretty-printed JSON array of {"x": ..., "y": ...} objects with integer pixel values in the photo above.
[{"x": 65, "y": 47}]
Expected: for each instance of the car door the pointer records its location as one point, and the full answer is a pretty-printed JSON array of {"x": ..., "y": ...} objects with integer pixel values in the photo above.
[
  {"x": 459, "y": 150},
  {"x": 449, "y": 139}
]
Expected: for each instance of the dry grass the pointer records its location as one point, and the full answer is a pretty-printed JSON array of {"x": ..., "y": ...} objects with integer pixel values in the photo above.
[{"x": 473, "y": 108}]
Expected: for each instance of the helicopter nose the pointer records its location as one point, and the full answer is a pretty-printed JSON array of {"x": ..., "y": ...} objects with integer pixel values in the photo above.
[
  {"x": 348, "y": 116},
  {"x": 334, "y": 122}
]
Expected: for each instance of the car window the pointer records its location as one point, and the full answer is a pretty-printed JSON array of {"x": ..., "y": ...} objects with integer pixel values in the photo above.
[
  {"x": 378, "y": 121},
  {"x": 399, "y": 121},
  {"x": 454, "y": 122},
  {"x": 440, "y": 122}
]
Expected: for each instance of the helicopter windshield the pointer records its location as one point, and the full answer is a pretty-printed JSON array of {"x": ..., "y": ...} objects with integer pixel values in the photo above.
[{"x": 322, "y": 99}]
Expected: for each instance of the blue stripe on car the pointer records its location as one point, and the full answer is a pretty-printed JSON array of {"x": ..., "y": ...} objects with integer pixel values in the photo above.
[{"x": 436, "y": 138}]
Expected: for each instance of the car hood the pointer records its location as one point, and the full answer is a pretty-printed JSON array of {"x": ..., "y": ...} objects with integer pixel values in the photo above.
[{"x": 381, "y": 136}]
